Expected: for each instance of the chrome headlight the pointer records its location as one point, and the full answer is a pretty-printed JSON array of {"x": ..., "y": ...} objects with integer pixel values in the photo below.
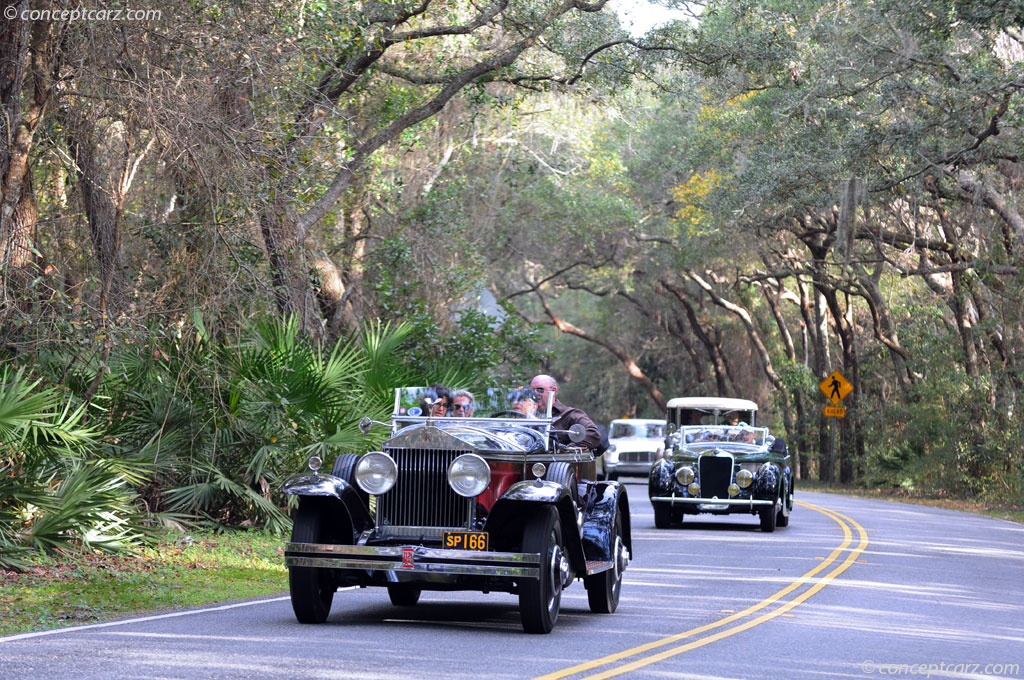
[
  {"x": 376, "y": 472},
  {"x": 733, "y": 490},
  {"x": 684, "y": 475},
  {"x": 314, "y": 463},
  {"x": 694, "y": 489},
  {"x": 469, "y": 475},
  {"x": 744, "y": 478}
]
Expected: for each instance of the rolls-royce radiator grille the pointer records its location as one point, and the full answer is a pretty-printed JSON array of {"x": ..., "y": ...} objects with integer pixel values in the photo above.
[
  {"x": 715, "y": 476},
  {"x": 422, "y": 496}
]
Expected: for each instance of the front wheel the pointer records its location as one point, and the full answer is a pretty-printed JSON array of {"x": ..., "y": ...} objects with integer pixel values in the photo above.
[
  {"x": 768, "y": 517},
  {"x": 541, "y": 598},
  {"x": 603, "y": 589},
  {"x": 662, "y": 516},
  {"x": 782, "y": 518},
  {"x": 312, "y": 589}
]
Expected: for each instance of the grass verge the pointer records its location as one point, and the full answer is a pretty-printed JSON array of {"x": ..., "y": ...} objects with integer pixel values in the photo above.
[
  {"x": 179, "y": 571},
  {"x": 1012, "y": 513}
]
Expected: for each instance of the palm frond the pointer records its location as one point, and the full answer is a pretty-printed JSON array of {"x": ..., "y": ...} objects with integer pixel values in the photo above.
[{"x": 91, "y": 505}]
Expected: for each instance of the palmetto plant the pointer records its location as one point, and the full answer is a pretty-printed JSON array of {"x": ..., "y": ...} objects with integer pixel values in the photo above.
[
  {"x": 191, "y": 429},
  {"x": 221, "y": 426},
  {"x": 56, "y": 491}
]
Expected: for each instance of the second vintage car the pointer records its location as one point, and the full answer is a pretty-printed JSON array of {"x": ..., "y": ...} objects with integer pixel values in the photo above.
[
  {"x": 497, "y": 503},
  {"x": 719, "y": 464}
]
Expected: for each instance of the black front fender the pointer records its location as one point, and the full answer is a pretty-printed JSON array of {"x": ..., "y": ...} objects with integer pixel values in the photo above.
[
  {"x": 660, "y": 482},
  {"x": 314, "y": 485},
  {"x": 600, "y": 522},
  {"x": 766, "y": 482},
  {"x": 505, "y": 521}
]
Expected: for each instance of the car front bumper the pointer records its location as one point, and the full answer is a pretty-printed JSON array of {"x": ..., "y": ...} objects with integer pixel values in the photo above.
[
  {"x": 412, "y": 559},
  {"x": 714, "y": 503},
  {"x": 642, "y": 468}
]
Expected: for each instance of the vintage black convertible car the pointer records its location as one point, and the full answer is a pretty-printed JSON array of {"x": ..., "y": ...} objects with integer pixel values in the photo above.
[
  {"x": 491, "y": 503},
  {"x": 720, "y": 465}
]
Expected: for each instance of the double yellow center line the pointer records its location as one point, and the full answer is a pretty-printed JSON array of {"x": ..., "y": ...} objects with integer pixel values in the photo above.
[{"x": 647, "y": 654}]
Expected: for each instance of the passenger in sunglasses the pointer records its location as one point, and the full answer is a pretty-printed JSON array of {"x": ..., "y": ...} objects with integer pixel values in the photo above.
[
  {"x": 462, "y": 404},
  {"x": 436, "y": 400},
  {"x": 564, "y": 416}
]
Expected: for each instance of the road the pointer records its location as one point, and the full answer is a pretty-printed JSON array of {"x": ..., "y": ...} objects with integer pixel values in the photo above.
[{"x": 853, "y": 588}]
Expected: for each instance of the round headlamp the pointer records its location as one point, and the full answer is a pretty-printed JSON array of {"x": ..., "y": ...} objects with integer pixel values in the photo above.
[
  {"x": 744, "y": 478},
  {"x": 376, "y": 472},
  {"x": 538, "y": 470},
  {"x": 733, "y": 490},
  {"x": 684, "y": 475},
  {"x": 469, "y": 475},
  {"x": 694, "y": 489},
  {"x": 314, "y": 463}
]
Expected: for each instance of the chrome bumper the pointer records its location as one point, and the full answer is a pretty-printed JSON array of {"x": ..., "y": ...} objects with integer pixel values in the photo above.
[
  {"x": 412, "y": 559},
  {"x": 742, "y": 502}
]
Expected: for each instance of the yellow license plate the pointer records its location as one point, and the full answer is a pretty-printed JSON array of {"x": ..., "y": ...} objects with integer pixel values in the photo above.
[{"x": 464, "y": 540}]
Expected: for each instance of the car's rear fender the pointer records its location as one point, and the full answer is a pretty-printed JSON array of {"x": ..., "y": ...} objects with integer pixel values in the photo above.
[
  {"x": 505, "y": 521},
  {"x": 600, "y": 522},
  {"x": 339, "y": 495}
]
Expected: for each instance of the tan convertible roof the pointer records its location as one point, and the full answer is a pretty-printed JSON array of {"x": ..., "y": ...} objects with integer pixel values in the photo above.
[{"x": 721, "y": 403}]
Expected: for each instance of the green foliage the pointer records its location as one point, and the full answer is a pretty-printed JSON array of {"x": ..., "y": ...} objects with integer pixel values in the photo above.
[
  {"x": 946, "y": 438},
  {"x": 460, "y": 348},
  {"x": 56, "y": 491},
  {"x": 176, "y": 570},
  {"x": 193, "y": 427}
]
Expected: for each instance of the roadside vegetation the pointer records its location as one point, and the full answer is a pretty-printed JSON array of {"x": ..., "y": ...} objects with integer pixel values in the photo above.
[
  {"x": 177, "y": 570},
  {"x": 1010, "y": 511}
]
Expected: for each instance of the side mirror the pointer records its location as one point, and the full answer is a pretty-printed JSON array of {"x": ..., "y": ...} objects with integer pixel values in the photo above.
[{"x": 576, "y": 433}]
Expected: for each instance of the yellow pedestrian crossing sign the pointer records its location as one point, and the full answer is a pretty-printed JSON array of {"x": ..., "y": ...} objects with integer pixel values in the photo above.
[{"x": 835, "y": 387}]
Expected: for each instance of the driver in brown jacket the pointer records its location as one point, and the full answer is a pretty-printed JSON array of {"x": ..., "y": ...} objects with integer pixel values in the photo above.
[{"x": 564, "y": 416}]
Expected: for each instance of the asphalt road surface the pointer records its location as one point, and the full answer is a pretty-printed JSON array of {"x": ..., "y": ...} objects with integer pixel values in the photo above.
[{"x": 853, "y": 588}]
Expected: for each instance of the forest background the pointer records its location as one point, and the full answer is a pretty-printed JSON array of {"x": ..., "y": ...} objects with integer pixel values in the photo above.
[{"x": 227, "y": 230}]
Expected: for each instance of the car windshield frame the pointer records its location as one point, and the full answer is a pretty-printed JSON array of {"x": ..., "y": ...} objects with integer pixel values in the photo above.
[
  {"x": 700, "y": 438},
  {"x": 492, "y": 400},
  {"x": 638, "y": 429}
]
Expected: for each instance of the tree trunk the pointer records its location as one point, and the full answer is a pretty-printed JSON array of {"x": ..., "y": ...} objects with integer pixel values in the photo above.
[
  {"x": 755, "y": 339},
  {"x": 24, "y": 51},
  {"x": 773, "y": 297},
  {"x": 622, "y": 355},
  {"x": 710, "y": 346},
  {"x": 104, "y": 204},
  {"x": 288, "y": 269}
]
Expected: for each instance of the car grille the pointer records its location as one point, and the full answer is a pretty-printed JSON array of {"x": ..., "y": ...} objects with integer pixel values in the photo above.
[
  {"x": 422, "y": 496},
  {"x": 715, "y": 476},
  {"x": 636, "y": 457}
]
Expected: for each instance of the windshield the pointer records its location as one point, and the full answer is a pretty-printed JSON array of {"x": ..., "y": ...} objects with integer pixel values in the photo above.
[
  {"x": 621, "y": 430},
  {"x": 700, "y": 436},
  {"x": 513, "y": 402}
]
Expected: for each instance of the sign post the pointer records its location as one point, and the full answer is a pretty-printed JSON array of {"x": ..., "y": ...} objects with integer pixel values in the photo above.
[{"x": 835, "y": 388}]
